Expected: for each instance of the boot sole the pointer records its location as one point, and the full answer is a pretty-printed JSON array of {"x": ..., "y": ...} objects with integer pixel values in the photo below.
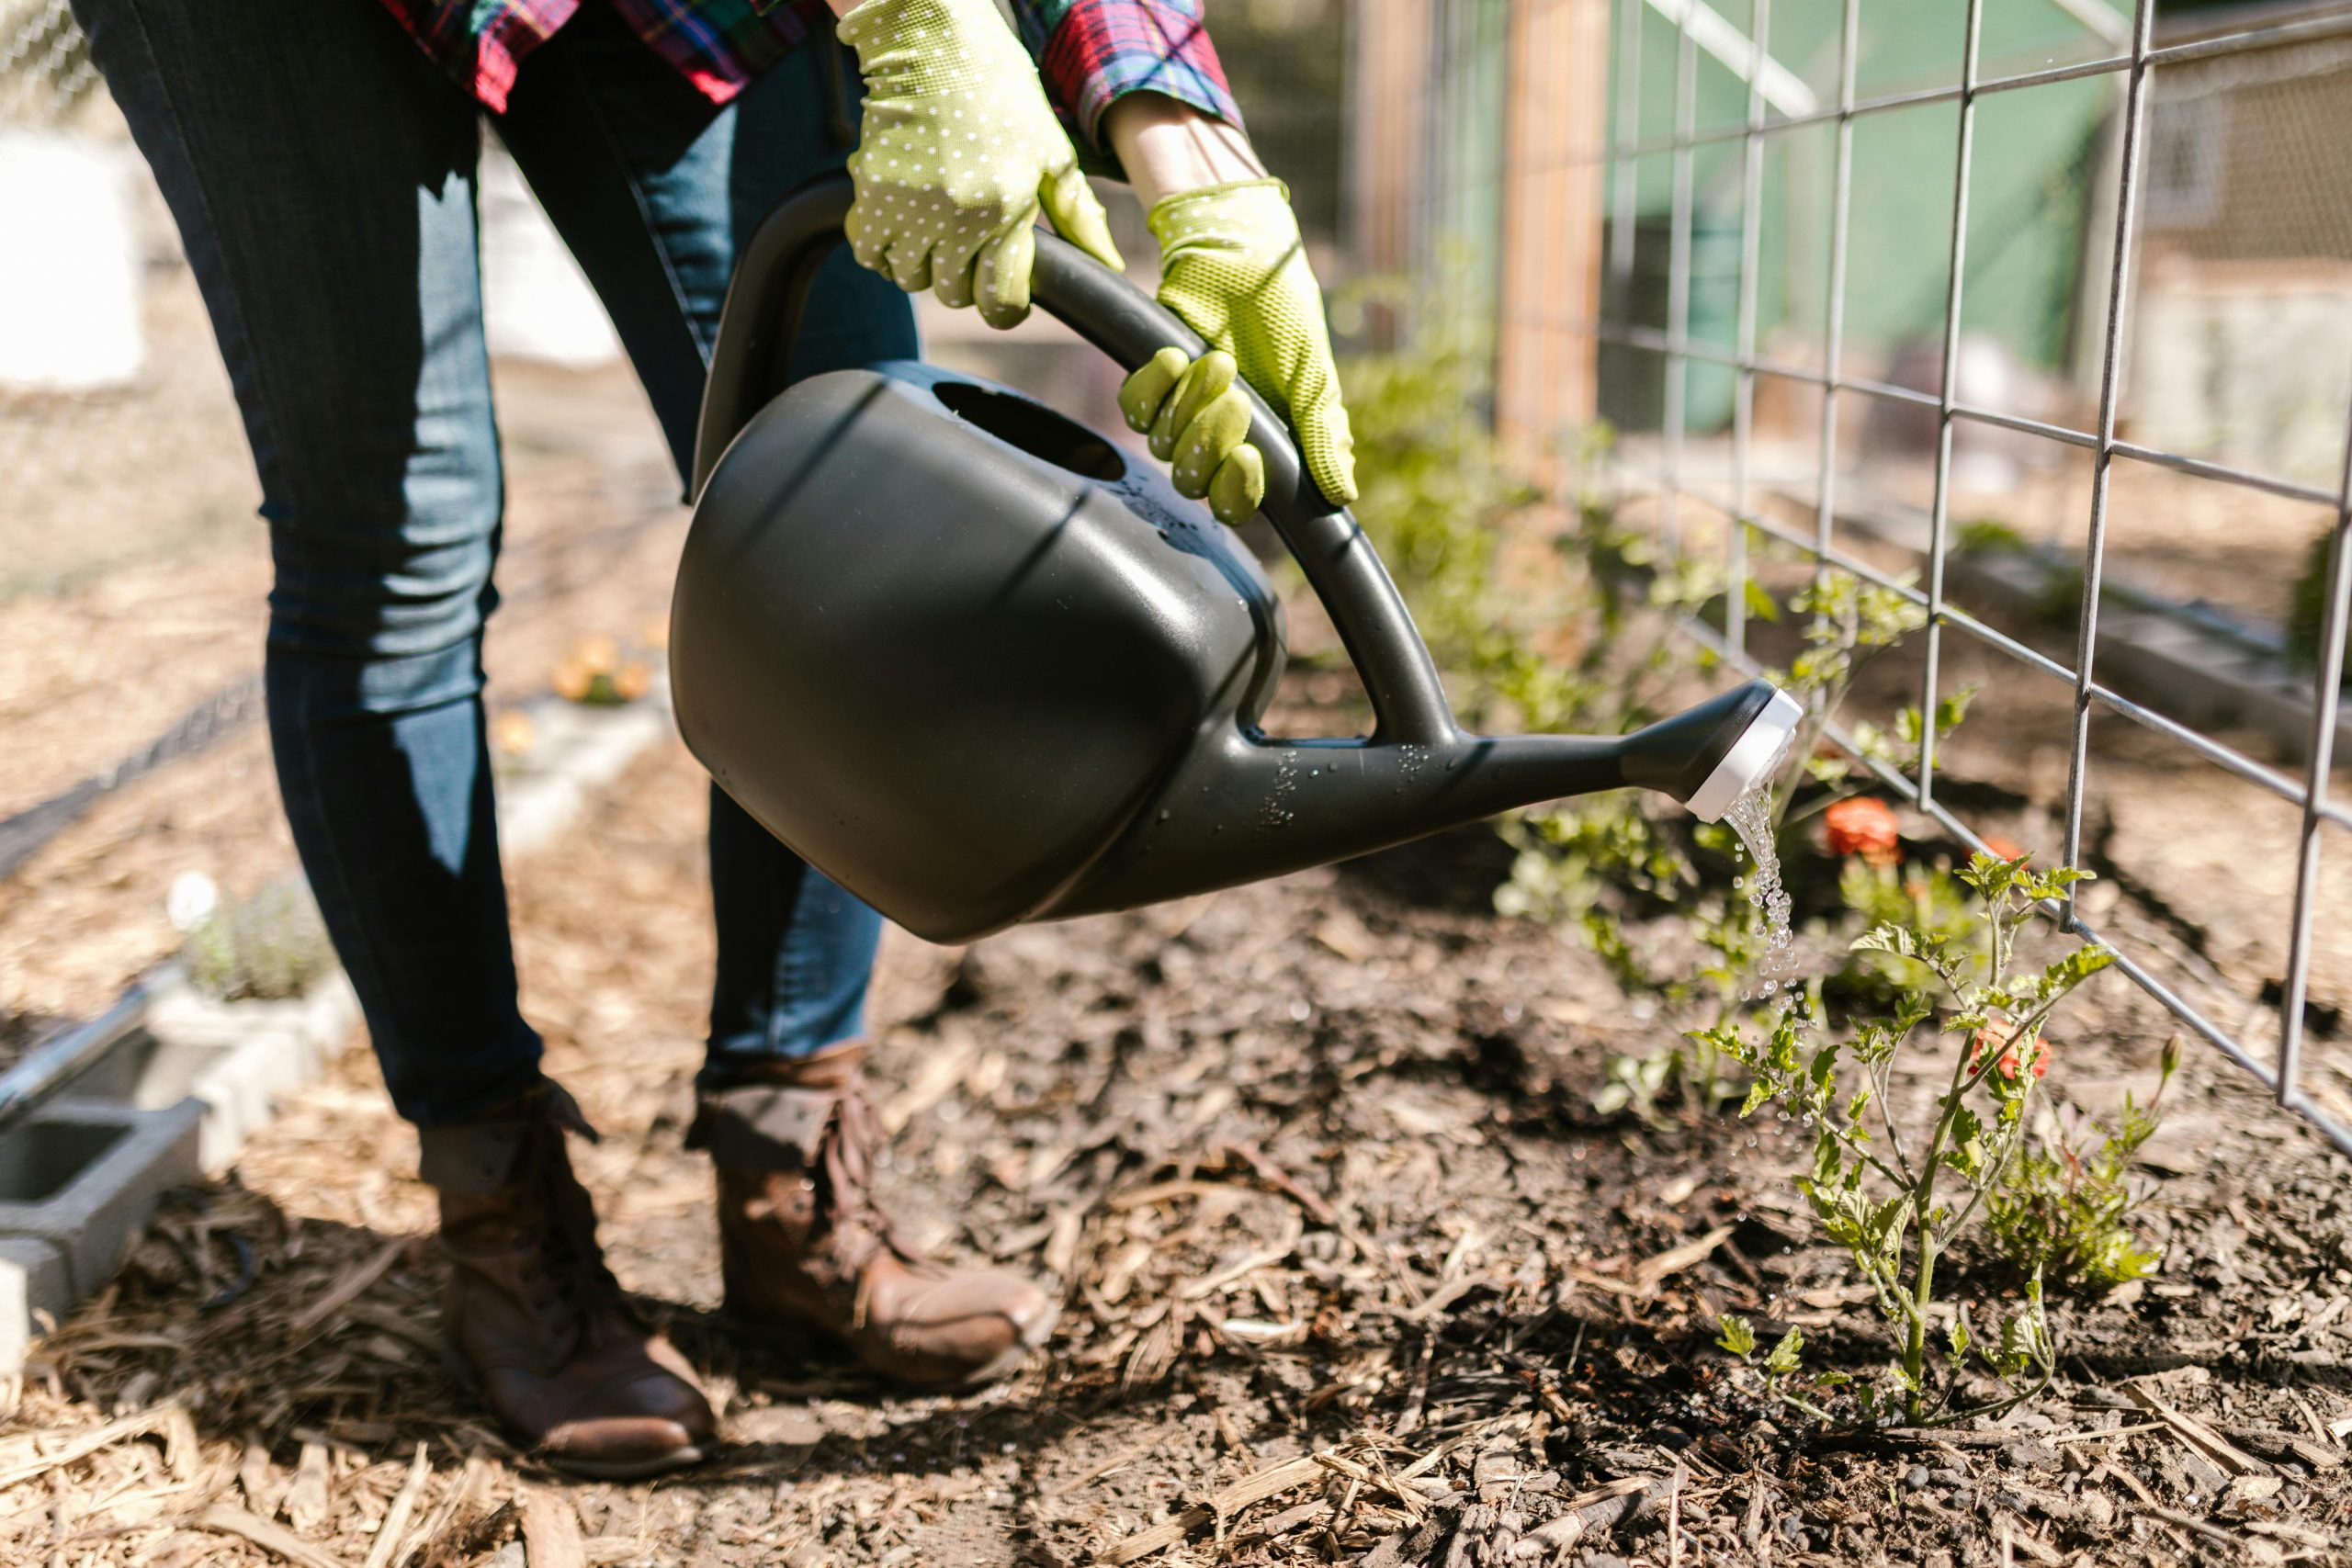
[
  {"x": 622, "y": 1470},
  {"x": 805, "y": 1340},
  {"x": 465, "y": 1377}
]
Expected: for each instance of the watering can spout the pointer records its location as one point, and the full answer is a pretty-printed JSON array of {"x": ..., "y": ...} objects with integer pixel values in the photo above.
[
  {"x": 1704, "y": 757},
  {"x": 1710, "y": 755},
  {"x": 1245, "y": 807}
]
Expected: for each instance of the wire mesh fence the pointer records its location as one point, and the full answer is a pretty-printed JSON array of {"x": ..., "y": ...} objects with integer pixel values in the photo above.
[{"x": 2039, "y": 317}]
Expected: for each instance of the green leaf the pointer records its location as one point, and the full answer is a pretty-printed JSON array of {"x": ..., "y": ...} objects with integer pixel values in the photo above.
[
  {"x": 1738, "y": 1336},
  {"x": 2074, "y": 968},
  {"x": 1870, "y": 742},
  {"x": 1760, "y": 603},
  {"x": 1954, "y": 708},
  {"x": 1828, "y": 1161},
  {"x": 1785, "y": 1356},
  {"x": 1887, "y": 939},
  {"x": 2016, "y": 1346},
  {"x": 1824, "y": 1071},
  {"x": 1992, "y": 875}
]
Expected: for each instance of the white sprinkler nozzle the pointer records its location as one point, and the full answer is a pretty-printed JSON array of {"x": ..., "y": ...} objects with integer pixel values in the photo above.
[{"x": 1751, "y": 759}]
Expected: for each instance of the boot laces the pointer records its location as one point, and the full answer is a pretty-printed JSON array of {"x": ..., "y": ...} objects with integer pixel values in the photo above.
[
  {"x": 845, "y": 1167},
  {"x": 566, "y": 1276}
]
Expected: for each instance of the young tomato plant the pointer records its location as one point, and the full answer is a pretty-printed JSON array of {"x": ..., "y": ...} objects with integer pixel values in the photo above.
[{"x": 1896, "y": 1197}]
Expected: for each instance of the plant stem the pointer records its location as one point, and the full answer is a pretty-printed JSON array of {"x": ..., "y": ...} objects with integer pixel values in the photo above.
[
  {"x": 1812, "y": 807},
  {"x": 1923, "y": 1283}
]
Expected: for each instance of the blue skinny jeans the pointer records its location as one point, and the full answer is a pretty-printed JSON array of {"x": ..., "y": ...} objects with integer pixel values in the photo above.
[{"x": 321, "y": 172}]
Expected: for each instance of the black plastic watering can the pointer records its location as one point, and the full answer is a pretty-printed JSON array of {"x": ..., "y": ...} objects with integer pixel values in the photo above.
[{"x": 980, "y": 666}]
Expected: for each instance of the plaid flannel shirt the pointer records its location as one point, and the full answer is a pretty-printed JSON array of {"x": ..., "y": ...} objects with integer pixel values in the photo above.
[{"x": 1088, "y": 52}]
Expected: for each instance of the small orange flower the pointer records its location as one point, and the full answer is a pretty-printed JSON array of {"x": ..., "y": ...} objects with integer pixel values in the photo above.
[
  {"x": 2003, "y": 1037},
  {"x": 1863, "y": 826},
  {"x": 2005, "y": 848}
]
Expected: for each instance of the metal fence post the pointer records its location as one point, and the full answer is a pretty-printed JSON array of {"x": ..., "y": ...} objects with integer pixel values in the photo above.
[
  {"x": 1940, "y": 514},
  {"x": 2135, "y": 109}
]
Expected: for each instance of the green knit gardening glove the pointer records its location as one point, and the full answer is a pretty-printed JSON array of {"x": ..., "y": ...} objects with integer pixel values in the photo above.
[
  {"x": 959, "y": 152},
  {"x": 1232, "y": 266}
]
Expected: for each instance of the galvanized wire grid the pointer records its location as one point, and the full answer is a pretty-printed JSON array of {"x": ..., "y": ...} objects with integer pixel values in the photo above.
[{"x": 1623, "y": 144}]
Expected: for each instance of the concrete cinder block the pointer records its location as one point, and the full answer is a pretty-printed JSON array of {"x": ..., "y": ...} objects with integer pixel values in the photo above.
[
  {"x": 239, "y": 1058},
  {"x": 84, "y": 1176},
  {"x": 324, "y": 1016},
  {"x": 237, "y": 1071},
  {"x": 32, "y": 1285},
  {"x": 241, "y": 1091}
]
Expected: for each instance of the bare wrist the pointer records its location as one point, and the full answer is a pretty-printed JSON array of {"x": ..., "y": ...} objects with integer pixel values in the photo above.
[{"x": 1168, "y": 146}]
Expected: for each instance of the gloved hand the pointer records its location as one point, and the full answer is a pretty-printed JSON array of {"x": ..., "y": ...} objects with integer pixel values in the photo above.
[
  {"x": 1233, "y": 267},
  {"x": 958, "y": 153},
  {"x": 1198, "y": 420}
]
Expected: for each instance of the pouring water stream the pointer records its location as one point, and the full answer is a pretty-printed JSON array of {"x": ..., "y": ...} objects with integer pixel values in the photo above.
[{"x": 1751, "y": 816}]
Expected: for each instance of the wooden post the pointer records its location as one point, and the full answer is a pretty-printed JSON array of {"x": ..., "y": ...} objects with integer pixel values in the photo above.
[
  {"x": 1554, "y": 184},
  {"x": 1391, "y": 94}
]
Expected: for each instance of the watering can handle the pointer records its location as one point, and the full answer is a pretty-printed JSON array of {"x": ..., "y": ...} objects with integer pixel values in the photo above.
[{"x": 749, "y": 362}]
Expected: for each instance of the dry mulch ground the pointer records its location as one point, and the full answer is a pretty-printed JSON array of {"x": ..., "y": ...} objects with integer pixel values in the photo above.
[{"x": 1350, "y": 1274}]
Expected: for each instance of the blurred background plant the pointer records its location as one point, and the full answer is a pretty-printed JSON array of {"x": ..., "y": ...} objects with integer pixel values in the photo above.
[
  {"x": 598, "y": 674},
  {"x": 268, "y": 946},
  {"x": 2305, "y": 617}
]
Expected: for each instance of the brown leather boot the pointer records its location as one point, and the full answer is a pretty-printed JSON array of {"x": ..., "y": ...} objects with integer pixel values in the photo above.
[
  {"x": 804, "y": 1248},
  {"x": 534, "y": 1317}
]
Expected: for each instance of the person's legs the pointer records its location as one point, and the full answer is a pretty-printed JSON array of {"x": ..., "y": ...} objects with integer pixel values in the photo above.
[
  {"x": 654, "y": 208},
  {"x": 322, "y": 172},
  {"x": 321, "y": 175},
  {"x": 605, "y": 136}
]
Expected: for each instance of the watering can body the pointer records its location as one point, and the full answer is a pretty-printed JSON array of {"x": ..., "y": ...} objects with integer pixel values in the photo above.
[
  {"x": 947, "y": 662},
  {"x": 979, "y": 666}
]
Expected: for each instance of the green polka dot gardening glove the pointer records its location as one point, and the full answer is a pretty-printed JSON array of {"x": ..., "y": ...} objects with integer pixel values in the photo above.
[
  {"x": 1232, "y": 266},
  {"x": 958, "y": 153}
]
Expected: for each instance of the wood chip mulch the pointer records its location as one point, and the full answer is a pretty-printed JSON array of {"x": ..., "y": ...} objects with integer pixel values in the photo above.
[{"x": 1351, "y": 1273}]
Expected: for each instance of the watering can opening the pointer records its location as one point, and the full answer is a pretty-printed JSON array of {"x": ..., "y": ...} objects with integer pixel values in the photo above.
[
  {"x": 980, "y": 667},
  {"x": 1034, "y": 429}
]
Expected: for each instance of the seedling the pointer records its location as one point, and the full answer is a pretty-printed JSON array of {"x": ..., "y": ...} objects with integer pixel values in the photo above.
[{"x": 1898, "y": 1197}]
